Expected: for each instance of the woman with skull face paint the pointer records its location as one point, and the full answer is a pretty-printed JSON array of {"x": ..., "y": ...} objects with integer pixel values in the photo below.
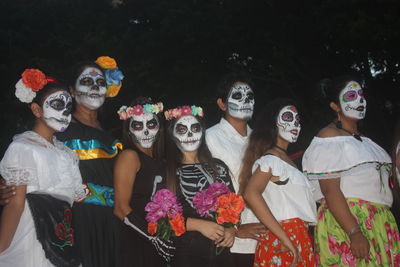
[
  {"x": 355, "y": 226},
  {"x": 96, "y": 228},
  {"x": 138, "y": 174},
  {"x": 277, "y": 192},
  {"x": 35, "y": 226},
  {"x": 190, "y": 169}
]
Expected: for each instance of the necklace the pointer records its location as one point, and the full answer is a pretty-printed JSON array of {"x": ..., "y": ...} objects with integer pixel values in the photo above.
[
  {"x": 280, "y": 148},
  {"x": 356, "y": 136}
]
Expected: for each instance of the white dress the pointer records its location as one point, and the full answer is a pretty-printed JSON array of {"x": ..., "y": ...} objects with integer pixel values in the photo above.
[{"x": 45, "y": 168}]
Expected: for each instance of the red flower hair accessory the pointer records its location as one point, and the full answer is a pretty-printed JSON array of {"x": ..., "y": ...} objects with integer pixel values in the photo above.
[{"x": 32, "y": 81}]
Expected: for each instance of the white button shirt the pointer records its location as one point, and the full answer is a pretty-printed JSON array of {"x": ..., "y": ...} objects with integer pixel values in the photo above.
[{"x": 226, "y": 144}]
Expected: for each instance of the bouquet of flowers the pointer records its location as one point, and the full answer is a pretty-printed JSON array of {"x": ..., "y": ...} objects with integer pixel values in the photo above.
[
  {"x": 220, "y": 204},
  {"x": 164, "y": 215}
]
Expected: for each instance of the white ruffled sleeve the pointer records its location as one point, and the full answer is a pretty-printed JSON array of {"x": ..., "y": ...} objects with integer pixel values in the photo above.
[
  {"x": 268, "y": 162},
  {"x": 18, "y": 166}
]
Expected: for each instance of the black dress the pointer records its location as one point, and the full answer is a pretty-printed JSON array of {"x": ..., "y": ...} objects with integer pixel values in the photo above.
[
  {"x": 192, "y": 248},
  {"x": 94, "y": 222},
  {"x": 135, "y": 250}
]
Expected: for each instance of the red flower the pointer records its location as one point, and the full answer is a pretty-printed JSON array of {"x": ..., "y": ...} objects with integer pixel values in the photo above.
[
  {"x": 186, "y": 110},
  {"x": 60, "y": 231},
  {"x": 178, "y": 224},
  {"x": 152, "y": 228},
  {"x": 34, "y": 79},
  {"x": 229, "y": 208}
]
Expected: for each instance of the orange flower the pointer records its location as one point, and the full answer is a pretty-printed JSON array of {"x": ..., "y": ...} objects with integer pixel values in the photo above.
[
  {"x": 152, "y": 228},
  {"x": 106, "y": 62},
  {"x": 34, "y": 79},
  {"x": 178, "y": 224},
  {"x": 229, "y": 208},
  {"x": 113, "y": 90}
]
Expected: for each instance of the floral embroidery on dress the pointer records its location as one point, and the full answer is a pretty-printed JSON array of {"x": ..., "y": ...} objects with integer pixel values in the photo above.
[{"x": 64, "y": 231}]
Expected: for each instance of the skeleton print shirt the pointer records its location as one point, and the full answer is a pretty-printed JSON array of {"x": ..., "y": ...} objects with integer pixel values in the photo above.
[{"x": 196, "y": 177}]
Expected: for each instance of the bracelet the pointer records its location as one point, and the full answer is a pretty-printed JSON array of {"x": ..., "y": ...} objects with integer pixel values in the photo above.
[{"x": 353, "y": 229}]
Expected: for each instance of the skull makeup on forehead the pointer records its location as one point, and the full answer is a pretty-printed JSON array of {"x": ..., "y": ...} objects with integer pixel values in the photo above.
[
  {"x": 91, "y": 88},
  {"x": 352, "y": 101},
  {"x": 288, "y": 123},
  {"x": 241, "y": 101},
  {"x": 144, "y": 128},
  {"x": 188, "y": 133},
  {"x": 57, "y": 110}
]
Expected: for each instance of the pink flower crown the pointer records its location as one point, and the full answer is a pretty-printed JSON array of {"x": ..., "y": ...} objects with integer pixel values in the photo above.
[
  {"x": 125, "y": 112},
  {"x": 183, "y": 111}
]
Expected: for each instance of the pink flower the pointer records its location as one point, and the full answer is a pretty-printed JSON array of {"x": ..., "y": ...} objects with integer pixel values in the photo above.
[
  {"x": 138, "y": 110},
  {"x": 321, "y": 216},
  {"x": 176, "y": 113},
  {"x": 186, "y": 110},
  {"x": 333, "y": 245},
  {"x": 164, "y": 203},
  {"x": 347, "y": 257},
  {"x": 122, "y": 115},
  {"x": 396, "y": 260},
  {"x": 368, "y": 223},
  {"x": 205, "y": 201}
]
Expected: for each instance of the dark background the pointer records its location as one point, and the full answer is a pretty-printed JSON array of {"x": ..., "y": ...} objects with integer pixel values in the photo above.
[{"x": 177, "y": 50}]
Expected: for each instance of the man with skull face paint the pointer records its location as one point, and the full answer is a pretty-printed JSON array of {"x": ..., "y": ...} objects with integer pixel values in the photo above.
[
  {"x": 138, "y": 174},
  {"x": 355, "y": 225},
  {"x": 227, "y": 141},
  {"x": 96, "y": 233},
  {"x": 47, "y": 179},
  {"x": 190, "y": 169}
]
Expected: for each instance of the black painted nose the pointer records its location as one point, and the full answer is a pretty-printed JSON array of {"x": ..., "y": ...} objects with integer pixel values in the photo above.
[
  {"x": 95, "y": 87},
  {"x": 362, "y": 100},
  {"x": 190, "y": 134},
  {"x": 146, "y": 132},
  {"x": 66, "y": 112},
  {"x": 247, "y": 100}
]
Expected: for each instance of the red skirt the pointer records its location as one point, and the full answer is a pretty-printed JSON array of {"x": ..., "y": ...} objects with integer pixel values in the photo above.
[{"x": 297, "y": 231}]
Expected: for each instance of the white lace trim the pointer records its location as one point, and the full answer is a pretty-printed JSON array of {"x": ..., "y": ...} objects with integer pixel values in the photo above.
[{"x": 15, "y": 176}]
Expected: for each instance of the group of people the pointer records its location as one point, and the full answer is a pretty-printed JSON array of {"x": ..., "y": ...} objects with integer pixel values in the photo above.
[{"x": 75, "y": 196}]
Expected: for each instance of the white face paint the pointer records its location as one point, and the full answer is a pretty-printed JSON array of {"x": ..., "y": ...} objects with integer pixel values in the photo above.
[
  {"x": 352, "y": 101},
  {"x": 57, "y": 110},
  {"x": 91, "y": 88},
  {"x": 188, "y": 133},
  {"x": 144, "y": 129},
  {"x": 241, "y": 101},
  {"x": 288, "y": 123}
]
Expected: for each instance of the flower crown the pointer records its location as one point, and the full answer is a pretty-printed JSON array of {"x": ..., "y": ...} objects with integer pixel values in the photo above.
[
  {"x": 125, "y": 112},
  {"x": 113, "y": 75},
  {"x": 32, "y": 81},
  {"x": 183, "y": 111}
]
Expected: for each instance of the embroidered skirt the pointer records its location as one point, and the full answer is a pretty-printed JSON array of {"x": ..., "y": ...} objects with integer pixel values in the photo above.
[
  {"x": 297, "y": 231},
  {"x": 378, "y": 226}
]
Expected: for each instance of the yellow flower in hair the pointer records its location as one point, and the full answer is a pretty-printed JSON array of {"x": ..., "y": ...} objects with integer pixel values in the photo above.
[
  {"x": 113, "y": 90},
  {"x": 106, "y": 62}
]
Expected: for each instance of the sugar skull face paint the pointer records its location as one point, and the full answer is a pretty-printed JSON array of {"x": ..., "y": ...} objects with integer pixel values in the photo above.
[
  {"x": 188, "y": 133},
  {"x": 288, "y": 123},
  {"x": 91, "y": 88},
  {"x": 352, "y": 101},
  {"x": 144, "y": 129},
  {"x": 241, "y": 101},
  {"x": 57, "y": 110}
]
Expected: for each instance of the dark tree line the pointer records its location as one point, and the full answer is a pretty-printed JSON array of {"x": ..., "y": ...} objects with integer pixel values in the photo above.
[{"x": 176, "y": 50}]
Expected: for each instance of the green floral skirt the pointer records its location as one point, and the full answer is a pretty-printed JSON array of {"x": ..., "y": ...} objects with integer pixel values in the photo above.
[{"x": 378, "y": 226}]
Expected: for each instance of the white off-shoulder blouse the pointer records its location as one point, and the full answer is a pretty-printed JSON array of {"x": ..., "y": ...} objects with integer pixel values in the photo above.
[
  {"x": 292, "y": 196},
  {"x": 363, "y": 167},
  {"x": 44, "y": 167}
]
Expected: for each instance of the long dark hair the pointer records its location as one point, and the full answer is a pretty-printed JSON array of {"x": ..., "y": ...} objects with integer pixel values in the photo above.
[
  {"x": 158, "y": 146},
  {"x": 174, "y": 156},
  {"x": 262, "y": 138}
]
